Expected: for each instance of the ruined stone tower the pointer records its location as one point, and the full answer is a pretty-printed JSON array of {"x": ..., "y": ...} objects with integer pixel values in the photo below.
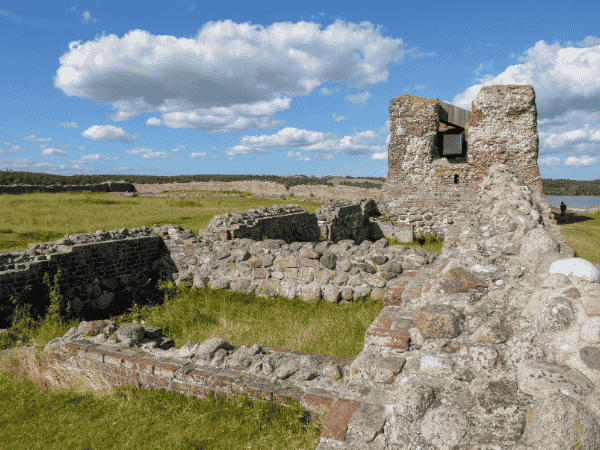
[{"x": 439, "y": 153}]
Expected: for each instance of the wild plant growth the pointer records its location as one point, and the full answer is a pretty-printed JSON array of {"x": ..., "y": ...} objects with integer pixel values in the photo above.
[{"x": 48, "y": 405}]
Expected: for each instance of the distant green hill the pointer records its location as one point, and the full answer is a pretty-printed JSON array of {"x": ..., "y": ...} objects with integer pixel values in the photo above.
[{"x": 571, "y": 187}]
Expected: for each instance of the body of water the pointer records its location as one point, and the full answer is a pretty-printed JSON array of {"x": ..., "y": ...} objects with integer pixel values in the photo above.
[{"x": 573, "y": 202}]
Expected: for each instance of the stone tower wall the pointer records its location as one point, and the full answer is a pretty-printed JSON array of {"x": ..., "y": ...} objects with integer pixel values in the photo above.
[
  {"x": 415, "y": 169},
  {"x": 503, "y": 129}
]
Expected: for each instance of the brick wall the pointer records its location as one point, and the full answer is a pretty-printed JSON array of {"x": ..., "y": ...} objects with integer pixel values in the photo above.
[
  {"x": 120, "y": 367},
  {"x": 296, "y": 227},
  {"x": 106, "y": 273}
]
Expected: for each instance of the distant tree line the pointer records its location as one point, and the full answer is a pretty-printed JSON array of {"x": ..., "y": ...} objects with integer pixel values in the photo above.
[
  {"x": 45, "y": 179},
  {"x": 571, "y": 187}
]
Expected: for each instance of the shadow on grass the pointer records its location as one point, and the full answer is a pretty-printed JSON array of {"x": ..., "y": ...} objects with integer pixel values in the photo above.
[{"x": 571, "y": 218}]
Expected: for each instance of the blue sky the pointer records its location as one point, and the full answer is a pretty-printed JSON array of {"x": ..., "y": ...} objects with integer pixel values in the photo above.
[{"x": 176, "y": 87}]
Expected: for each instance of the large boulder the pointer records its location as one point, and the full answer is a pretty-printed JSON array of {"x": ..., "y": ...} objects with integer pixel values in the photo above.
[{"x": 578, "y": 268}]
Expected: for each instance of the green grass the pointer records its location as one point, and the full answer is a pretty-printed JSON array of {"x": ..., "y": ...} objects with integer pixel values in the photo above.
[
  {"x": 582, "y": 234},
  {"x": 50, "y": 406},
  {"x": 42, "y": 217}
]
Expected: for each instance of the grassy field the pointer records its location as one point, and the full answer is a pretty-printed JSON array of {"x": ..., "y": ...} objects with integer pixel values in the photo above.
[
  {"x": 53, "y": 407},
  {"x": 582, "y": 233}
]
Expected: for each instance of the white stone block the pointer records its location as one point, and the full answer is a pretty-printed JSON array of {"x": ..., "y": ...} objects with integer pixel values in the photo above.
[{"x": 576, "y": 267}]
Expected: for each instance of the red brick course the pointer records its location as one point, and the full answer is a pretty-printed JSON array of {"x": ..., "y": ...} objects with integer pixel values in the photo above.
[{"x": 390, "y": 329}]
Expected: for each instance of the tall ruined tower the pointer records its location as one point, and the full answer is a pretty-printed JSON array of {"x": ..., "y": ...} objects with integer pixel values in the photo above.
[
  {"x": 503, "y": 129},
  {"x": 438, "y": 153}
]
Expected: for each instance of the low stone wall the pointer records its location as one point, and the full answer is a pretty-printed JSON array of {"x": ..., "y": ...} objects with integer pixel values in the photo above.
[
  {"x": 100, "y": 271},
  {"x": 294, "y": 227},
  {"x": 254, "y": 187},
  {"x": 265, "y": 188},
  {"x": 106, "y": 268},
  {"x": 358, "y": 220},
  {"x": 107, "y": 186},
  {"x": 123, "y": 366}
]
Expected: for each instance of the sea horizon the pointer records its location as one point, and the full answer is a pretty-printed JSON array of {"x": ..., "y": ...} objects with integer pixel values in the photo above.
[{"x": 579, "y": 202}]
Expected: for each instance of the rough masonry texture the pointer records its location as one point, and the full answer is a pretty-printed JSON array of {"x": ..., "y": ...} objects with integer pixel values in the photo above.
[
  {"x": 491, "y": 345},
  {"x": 104, "y": 270},
  {"x": 107, "y": 268},
  {"x": 422, "y": 179},
  {"x": 290, "y": 223},
  {"x": 106, "y": 186},
  {"x": 357, "y": 220}
]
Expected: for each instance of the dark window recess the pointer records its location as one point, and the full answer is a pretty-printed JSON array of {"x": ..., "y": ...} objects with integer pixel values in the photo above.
[
  {"x": 455, "y": 179},
  {"x": 452, "y": 145}
]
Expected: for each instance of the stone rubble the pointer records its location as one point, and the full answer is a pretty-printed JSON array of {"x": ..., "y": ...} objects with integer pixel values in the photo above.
[
  {"x": 494, "y": 345},
  {"x": 342, "y": 271},
  {"x": 230, "y": 219},
  {"x": 271, "y": 267}
]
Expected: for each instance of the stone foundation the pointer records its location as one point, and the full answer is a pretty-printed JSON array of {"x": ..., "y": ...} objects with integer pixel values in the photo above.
[
  {"x": 358, "y": 220},
  {"x": 99, "y": 271},
  {"x": 265, "y": 188},
  {"x": 107, "y": 186},
  {"x": 104, "y": 269}
]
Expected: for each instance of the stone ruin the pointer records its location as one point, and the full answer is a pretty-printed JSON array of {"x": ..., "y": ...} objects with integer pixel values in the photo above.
[
  {"x": 492, "y": 345},
  {"x": 439, "y": 153},
  {"x": 107, "y": 271},
  {"x": 105, "y": 186},
  {"x": 358, "y": 220}
]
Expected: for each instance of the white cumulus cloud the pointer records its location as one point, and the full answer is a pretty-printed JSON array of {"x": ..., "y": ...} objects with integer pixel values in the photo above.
[
  {"x": 154, "y": 121},
  {"x": 309, "y": 141},
  {"x": 32, "y": 137},
  {"x": 202, "y": 156},
  {"x": 567, "y": 89},
  {"x": 550, "y": 161},
  {"x": 150, "y": 154},
  {"x": 107, "y": 133},
  {"x": 581, "y": 161},
  {"x": 53, "y": 152},
  {"x": 229, "y": 77}
]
